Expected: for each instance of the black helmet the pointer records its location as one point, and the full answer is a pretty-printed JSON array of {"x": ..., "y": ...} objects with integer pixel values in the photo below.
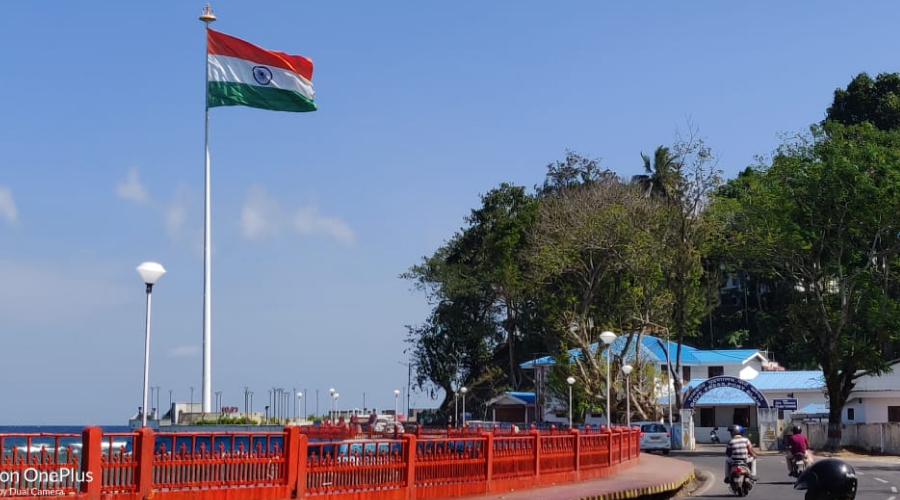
[
  {"x": 797, "y": 430},
  {"x": 829, "y": 479},
  {"x": 736, "y": 430}
]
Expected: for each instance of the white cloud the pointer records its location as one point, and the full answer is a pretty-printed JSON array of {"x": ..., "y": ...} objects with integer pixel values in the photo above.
[
  {"x": 308, "y": 221},
  {"x": 184, "y": 351},
  {"x": 131, "y": 188},
  {"x": 174, "y": 213},
  {"x": 8, "y": 210},
  {"x": 261, "y": 216}
]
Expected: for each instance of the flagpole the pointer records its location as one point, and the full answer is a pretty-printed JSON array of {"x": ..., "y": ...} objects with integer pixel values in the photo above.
[{"x": 207, "y": 17}]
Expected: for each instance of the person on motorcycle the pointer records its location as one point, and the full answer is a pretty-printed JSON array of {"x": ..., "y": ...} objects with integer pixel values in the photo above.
[
  {"x": 739, "y": 449},
  {"x": 797, "y": 444},
  {"x": 829, "y": 479}
]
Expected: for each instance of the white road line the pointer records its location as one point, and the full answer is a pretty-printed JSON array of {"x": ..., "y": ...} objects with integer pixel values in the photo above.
[
  {"x": 891, "y": 498},
  {"x": 881, "y": 480},
  {"x": 893, "y": 489}
]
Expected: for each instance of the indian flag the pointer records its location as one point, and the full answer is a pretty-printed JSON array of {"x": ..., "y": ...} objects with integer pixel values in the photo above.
[{"x": 242, "y": 74}]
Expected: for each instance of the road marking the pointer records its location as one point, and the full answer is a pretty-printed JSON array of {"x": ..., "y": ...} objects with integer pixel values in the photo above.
[
  {"x": 893, "y": 489},
  {"x": 881, "y": 480},
  {"x": 891, "y": 498}
]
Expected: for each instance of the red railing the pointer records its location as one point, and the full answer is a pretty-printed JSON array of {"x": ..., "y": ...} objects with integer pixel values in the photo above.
[{"x": 281, "y": 465}]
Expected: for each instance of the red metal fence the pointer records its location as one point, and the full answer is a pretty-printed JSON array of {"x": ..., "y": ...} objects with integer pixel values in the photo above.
[{"x": 290, "y": 464}]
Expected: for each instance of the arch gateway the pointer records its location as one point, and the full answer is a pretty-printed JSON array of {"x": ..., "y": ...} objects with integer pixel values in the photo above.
[{"x": 766, "y": 416}]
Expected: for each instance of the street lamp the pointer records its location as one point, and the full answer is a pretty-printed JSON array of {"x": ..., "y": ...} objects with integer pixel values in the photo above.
[
  {"x": 335, "y": 398},
  {"x": 150, "y": 272},
  {"x": 456, "y": 408},
  {"x": 607, "y": 338},
  {"x": 299, "y": 397},
  {"x": 464, "y": 390},
  {"x": 627, "y": 370},
  {"x": 570, "y": 381},
  {"x": 396, "y": 403},
  {"x": 331, "y": 413}
]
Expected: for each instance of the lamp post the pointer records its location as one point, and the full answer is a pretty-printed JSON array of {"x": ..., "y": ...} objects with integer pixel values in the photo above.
[
  {"x": 608, "y": 338},
  {"x": 464, "y": 390},
  {"x": 335, "y": 398},
  {"x": 396, "y": 403},
  {"x": 331, "y": 412},
  {"x": 299, "y": 397},
  {"x": 150, "y": 272},
  {"x": 627, "y": 370},
  {"x": 570, "y": 381},
  {"x": 456, "y": 408}
]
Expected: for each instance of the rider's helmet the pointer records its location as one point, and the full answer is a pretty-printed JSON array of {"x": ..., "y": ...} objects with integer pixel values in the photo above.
[
  {"x": 736, "y": 430},
  {"x": 829, "y": 479},
  {"x": 797, "y": 430}
]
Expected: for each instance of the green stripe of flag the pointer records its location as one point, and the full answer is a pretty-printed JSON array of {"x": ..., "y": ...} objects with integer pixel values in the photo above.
[{"x": 241, "y": 94}]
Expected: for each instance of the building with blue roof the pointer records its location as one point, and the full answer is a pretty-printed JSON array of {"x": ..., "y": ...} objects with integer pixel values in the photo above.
[{"x": 695, "y": 363}]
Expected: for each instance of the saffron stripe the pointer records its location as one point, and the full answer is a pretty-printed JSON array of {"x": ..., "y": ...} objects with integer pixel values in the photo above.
[
  {"x": 232, "y": 70},
  {"x": 227, "y": 45},
  {"x": 239, "y": 94}
]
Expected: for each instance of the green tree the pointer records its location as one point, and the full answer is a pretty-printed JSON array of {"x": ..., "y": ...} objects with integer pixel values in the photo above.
[
  {"x": 868, "y": 101},
  {"x": 823, "y": 216}
]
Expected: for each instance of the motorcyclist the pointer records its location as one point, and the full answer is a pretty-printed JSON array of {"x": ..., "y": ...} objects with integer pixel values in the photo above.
[
  {"x": 739, "y": 449},
  {"x": 829, "y": 479},
  {"x": 797, "y": 444}
]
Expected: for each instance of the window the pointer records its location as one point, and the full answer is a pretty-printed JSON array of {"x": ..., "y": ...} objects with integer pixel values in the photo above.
[
  {"x": 716, "y": 371},
  {"x": 686, "y": 373},
  {"x": 850, "y": 414},
  {"x": 893, "y": 413},
  {"x": 707, "y": 417}
]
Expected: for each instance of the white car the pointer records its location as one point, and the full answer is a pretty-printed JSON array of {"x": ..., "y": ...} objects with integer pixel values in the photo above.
[{"x": 655, "y": 437}]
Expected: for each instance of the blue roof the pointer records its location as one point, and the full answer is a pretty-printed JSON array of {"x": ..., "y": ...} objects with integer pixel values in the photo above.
[
  {"x": 814, "y": 409},
  {"x": 653, "y": 349},
  {"x": 779, "y": 381},
  {"x": 528, "y": 397}
]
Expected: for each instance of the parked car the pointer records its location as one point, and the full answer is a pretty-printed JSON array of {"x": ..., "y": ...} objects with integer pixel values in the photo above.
[{"x": 655, "y": 437}]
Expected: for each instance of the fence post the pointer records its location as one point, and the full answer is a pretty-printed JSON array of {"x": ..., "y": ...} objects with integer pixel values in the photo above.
[
  {"x": 291, "y": 458},
  {"x": 576, "y": 448},
  {"x": 410, "y": 457},
  {"x": 303, "y": 460},
  {"x": 609, "y": 446},
  {"x": 537, "y": 454},
  {"x": 621, "y": 438},
  {"x": 143, "y": 452},
  {"x": 488, "y": 459},
  {"x": 91, "y": 466}
]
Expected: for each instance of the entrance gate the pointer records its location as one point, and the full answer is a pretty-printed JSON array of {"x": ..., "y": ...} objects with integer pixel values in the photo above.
[{"x": 766, "y": 416}]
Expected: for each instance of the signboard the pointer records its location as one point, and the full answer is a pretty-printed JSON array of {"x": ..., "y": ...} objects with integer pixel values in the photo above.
[
  {"x": 785, "y": 403},
  {"x": 725, "y": 381}
]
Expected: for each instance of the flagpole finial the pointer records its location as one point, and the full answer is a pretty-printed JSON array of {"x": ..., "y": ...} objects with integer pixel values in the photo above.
[{"x": 207, "y": 16}]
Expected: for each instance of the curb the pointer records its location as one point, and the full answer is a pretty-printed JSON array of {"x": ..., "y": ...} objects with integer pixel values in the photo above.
[{"x": 639, "y": 492}]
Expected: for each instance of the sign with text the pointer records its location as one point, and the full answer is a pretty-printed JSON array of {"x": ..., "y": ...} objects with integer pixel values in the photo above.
[
  {"x": 785, "y": 403},
  {"x": 725, "y": 381}
]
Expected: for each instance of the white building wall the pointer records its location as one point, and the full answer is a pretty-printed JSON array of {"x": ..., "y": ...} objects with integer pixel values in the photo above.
[{"x": 875, "y": 409}]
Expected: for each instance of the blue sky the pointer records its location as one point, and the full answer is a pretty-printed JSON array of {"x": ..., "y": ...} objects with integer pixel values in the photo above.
[{"x": 422, "y": 107}]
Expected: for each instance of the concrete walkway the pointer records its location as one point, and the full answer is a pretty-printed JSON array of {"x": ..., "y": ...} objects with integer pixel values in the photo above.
[{"x": 652, "y": 475}]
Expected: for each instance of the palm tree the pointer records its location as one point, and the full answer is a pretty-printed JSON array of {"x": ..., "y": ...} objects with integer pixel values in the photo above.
[{"x": 662, "y": 177}]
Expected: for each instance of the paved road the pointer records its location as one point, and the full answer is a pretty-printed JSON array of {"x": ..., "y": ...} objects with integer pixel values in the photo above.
[{"x": 879, "y": 479}]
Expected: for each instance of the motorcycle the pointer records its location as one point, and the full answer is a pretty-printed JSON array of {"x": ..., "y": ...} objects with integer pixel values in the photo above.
[
  {"x": 798, "y": 465},
  {"x": 713, "y": 436},
  {"x": 741, "y": 483}
]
